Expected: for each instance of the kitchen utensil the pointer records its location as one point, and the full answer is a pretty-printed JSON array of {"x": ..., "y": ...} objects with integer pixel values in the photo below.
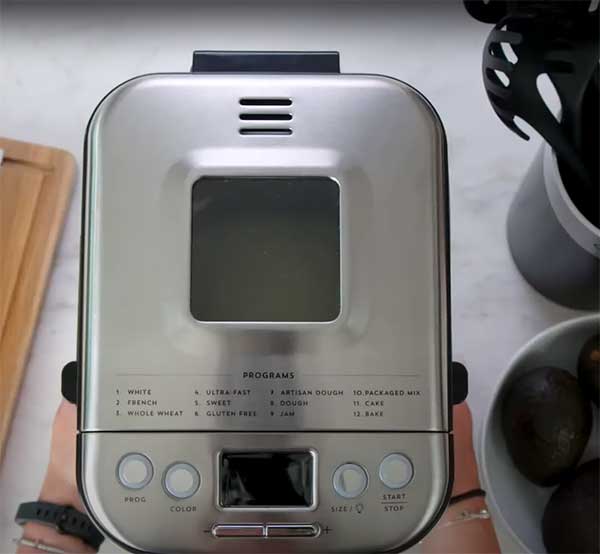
[
  {"x": 574, "y": 64},
  {"x": 35, "y": 186},
  {"x": 564, "y": 49},
  {"x": 515, "y": 502},
  {"x": 589, "y": 203},
  {"x": 492, "y": 11}
]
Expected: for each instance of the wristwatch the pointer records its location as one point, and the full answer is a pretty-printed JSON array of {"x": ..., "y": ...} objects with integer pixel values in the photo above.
[{"x": 65, "y": 519}]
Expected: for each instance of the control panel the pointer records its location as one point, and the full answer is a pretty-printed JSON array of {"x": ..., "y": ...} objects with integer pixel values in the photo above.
[
  {"x": 205, "y": 492},
  {"x": 181, "y": 480}
]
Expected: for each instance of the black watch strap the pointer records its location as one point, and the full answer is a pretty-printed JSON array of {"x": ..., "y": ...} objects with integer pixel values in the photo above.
[{"x": 64, "y": 519}]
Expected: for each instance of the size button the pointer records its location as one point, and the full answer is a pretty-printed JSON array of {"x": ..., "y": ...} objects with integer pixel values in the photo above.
[
  {"x": 350, "y": 480},
  {"x": 396, "y": 471},
  {"x": 134, "y": 471}
]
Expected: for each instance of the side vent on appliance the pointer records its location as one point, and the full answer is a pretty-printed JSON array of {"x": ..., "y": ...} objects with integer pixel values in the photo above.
[{"x": 260, "y": 114}]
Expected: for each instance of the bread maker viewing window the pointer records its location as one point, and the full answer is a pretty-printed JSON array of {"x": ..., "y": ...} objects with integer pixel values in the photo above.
[
  {"x": 265, "y": 249},
  {"x": 264, "y": 359}
]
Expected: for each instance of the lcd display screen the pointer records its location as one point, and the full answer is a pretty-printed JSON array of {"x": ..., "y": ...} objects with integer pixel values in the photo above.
[
  {"x": 266, "y": 479},
  {"x": 265, "y": 249}
]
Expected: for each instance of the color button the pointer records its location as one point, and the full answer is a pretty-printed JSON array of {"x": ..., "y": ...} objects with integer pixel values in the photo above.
[
  {"x": 396, "y": 471},
  {"x": 350, "y": 480},
  {"x": 181, "y": 480},
  {"x": 134, "y": 471}
]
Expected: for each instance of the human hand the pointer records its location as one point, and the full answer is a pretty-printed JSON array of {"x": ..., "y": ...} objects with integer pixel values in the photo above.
[
  {"x": 60, "y": 484},
  {"x": 466, "y": 477},
  {"x": 453, "y": 534}
]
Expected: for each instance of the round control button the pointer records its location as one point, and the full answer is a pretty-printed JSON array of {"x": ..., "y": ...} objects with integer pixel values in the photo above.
[
  {"x": 396, "y": 471},
  {"x": 181, "y": 480},
  {"x": 350, "y": 480},
  {"x": 134, "y": 471}
]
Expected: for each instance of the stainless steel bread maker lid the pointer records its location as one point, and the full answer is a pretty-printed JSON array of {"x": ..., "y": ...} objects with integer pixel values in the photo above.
[{"x": 264, "y": 348}]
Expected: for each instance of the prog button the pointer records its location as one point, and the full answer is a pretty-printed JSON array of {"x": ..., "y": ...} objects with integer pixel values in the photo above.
[
  {"x": 350, "y": 480},
  {"x": 134, "y": 471}
]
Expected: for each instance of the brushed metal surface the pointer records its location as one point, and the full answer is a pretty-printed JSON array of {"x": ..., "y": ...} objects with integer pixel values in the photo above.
[
  {"x": 379, "y": 520},
  {"x": 156, "y": 381},
  {"x": 148, "y": 142}
]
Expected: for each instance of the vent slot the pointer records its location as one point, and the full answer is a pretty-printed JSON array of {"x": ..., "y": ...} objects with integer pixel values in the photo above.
[
  {"x": 265, "y": 102},
  {"x": 265, "y": 116},
  {"x": 265, "y": 131}
]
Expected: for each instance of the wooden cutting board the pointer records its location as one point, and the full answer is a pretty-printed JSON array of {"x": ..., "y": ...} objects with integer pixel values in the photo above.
[{"x": 35, "y": 187}]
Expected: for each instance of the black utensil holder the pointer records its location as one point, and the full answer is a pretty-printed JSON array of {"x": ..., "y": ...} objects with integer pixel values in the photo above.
[{"x": 556, "y": 249}]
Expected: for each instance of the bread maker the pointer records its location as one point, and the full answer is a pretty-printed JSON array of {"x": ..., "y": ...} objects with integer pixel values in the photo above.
[{"x": 264, "y": 341}]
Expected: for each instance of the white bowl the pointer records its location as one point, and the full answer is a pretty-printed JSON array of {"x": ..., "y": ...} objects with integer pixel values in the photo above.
[{"x": 511, "y": 497}]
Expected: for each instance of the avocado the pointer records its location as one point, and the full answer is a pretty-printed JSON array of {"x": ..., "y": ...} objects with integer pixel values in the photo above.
[
  {"x": 547, "y": 421},
  {"x": 571, "y": 520},
  {"x": 588, "y": 368}
]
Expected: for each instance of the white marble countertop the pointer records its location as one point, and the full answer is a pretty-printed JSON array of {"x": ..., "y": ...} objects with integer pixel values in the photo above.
[{"x": 58, "y": 62}]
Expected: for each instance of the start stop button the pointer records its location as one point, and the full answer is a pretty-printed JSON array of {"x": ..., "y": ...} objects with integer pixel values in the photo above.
[{"x": 396, "y": 471}]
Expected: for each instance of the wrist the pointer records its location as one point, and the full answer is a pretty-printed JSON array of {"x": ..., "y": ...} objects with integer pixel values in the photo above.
[
  {"x": 48, "y": 536},
  {"x": 456, "y": 512}
]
